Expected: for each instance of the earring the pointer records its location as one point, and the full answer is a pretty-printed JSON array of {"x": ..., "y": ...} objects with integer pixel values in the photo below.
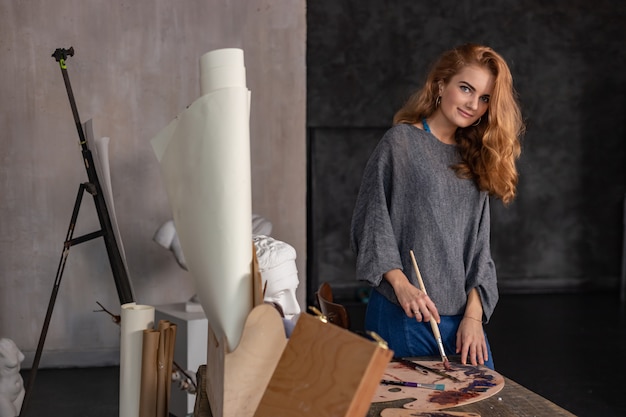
[
  {"x": 478, "y": 121},
  {"x": 438, "y": 101}
]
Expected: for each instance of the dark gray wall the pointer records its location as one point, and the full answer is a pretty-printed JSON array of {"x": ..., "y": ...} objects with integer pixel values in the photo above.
[{"x": 364, "y": 57}]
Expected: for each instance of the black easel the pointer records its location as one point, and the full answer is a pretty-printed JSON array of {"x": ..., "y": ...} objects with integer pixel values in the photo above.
[{"x": 120, "y": 274}]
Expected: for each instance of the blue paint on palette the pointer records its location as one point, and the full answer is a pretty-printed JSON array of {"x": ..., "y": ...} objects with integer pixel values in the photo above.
[{"x": 482, "y": 380}]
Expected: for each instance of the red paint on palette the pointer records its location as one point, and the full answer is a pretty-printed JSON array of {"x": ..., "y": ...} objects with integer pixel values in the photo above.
[{"x": 451, "y": 397}]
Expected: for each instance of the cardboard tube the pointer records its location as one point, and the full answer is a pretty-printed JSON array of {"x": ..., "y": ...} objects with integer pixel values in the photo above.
[
  {"x": 147, "y": 399},
  {"x": 171, "y": 340},
  {"x": 162, "y": 375}
]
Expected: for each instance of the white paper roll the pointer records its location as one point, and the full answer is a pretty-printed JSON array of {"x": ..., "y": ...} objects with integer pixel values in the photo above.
[
  {"x": 205, "y": 163},
  {"x": 134, "y": 320},
  {"x": 220, "y": 57},
  {"x": 222, "y": 68},
  {"x": 222, "y": 77}
]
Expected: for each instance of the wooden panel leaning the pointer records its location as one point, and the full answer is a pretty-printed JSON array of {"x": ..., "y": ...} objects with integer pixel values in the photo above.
[
  {"x": 324, "y": 371},
  {"x": 235, "y": 381}
]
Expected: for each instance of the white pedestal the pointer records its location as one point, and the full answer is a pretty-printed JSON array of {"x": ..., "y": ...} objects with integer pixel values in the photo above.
[{"x": 190, "y": 350}]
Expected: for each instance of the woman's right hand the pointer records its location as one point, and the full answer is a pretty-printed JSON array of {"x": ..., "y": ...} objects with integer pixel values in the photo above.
[{"x": 413, "y": 301}]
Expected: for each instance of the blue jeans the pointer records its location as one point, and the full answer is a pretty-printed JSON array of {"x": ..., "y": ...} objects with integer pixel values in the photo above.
[{"x": 406, "y": 336}]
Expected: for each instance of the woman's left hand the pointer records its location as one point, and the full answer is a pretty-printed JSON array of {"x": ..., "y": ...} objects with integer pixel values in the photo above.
[{"x": 470, "y": 341}]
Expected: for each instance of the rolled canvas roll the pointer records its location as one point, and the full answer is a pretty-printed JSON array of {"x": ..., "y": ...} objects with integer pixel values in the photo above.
[
  {"x": 223, "y": 77},
  {"x": 205, "y": 162},
  {"x": 220, "y": 57},
  {"x": 135, "y": 319}
]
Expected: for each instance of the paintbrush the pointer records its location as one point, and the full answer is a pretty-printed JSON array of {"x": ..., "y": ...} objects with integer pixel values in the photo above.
[
  {"x": 423, "y": 369},
  {"x": 411, "y": 365},
  {"x": 435, "y": 371},
  {"x": 439, "y": 387},
  {"x": 433, "y": 322}
]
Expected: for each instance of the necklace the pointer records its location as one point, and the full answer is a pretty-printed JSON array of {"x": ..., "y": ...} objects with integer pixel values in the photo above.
[{"x": 426, "y": 127}]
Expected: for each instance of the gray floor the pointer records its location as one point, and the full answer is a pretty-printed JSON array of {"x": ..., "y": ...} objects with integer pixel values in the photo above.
[{"x": 569, "y": 348}]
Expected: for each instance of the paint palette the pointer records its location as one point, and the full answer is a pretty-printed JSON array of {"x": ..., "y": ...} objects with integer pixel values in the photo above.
[
  {"x": 471, "y": 384},
  {"x": 396, "y": 412}
]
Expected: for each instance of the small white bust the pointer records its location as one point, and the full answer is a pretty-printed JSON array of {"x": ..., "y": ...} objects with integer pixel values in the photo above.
[
  {"x": 11, "y": 383},
  {"x": 279, "y": 275}
]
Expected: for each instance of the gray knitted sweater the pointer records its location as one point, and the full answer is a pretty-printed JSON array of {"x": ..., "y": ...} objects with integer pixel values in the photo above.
[{"x": 410, "y": 199}]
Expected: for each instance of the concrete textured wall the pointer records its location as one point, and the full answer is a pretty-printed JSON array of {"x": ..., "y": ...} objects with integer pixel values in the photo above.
[
  {"x": 135, "y": 67},
  {"x": 564, "y": 231}
]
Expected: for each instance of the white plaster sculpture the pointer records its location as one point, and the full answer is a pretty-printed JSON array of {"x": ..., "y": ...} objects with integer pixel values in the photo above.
[
  {"x": 167, "y": 237},
  {"x": 279, "y": 277},
  {"x": 11, "y": 383},
  {"x": 277, "y": 265}
]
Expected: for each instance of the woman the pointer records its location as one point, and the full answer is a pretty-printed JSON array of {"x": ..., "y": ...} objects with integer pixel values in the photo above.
[{"x": 426, "y": 189}]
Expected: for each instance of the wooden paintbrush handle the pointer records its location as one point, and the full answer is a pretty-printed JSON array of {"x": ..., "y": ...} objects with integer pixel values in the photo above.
[
  {"x": 435, "y": 327},
  {"x": 417, "y": 272},
  {"x": 433, "y": 322}
]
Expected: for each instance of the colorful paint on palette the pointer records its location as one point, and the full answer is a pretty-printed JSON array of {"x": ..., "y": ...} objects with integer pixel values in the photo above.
[{"x": 451, "y": 397}]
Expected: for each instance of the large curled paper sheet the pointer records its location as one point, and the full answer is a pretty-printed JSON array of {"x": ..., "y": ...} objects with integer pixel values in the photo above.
[
  {"x": 205, "y": 163},
  {"x": 99, "y": 148},
  {"x": 135, "y": 318}
]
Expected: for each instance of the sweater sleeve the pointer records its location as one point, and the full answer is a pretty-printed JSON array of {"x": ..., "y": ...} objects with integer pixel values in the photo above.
[
  {"x": 481, "y": 273},
  {"x": 372, "y": 235}
]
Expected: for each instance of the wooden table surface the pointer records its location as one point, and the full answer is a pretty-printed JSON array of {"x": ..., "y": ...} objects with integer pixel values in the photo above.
[{"x": 513, "y": 401}]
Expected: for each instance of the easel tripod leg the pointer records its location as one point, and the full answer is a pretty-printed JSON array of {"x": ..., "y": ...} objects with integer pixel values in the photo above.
[{"x": 53, "y": 296}]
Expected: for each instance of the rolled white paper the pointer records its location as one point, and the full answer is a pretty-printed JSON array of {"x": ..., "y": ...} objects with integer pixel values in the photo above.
[
  {"x": 223, "y": 77},
  {"x": 220, "y": 57},
  {"x": 222, "y": 68},
  {"x": 205, "y": 162},
  {"x": 135, "y": 318}
]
